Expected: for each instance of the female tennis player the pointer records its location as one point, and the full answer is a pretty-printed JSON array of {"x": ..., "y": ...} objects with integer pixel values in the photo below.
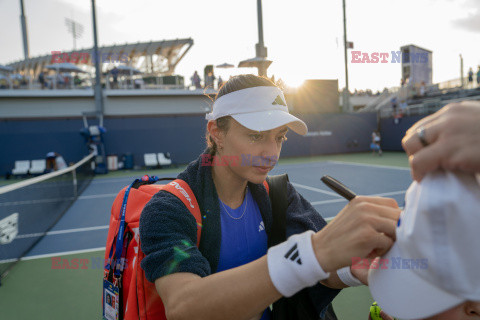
[{"x": 233, "y": 274}]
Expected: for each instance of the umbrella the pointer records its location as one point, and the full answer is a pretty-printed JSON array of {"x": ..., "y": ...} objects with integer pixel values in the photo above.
[
  {"x": 64, "y": 67},
  {"x": 5, "y": 68},
  {"x": 255, "y": 63},
  {"x": 225, "y": 66}
]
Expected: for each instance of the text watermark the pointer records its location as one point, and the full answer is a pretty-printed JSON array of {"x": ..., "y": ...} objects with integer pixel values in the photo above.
[{"x": 386, "y": 57}]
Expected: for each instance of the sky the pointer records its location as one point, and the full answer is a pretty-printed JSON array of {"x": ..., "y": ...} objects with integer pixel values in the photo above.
[{"x": 304, "y": 37}]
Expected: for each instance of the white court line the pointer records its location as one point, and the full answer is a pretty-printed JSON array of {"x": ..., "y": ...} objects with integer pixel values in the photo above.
[
  {"x": 50, "y": 233},
  {"x": 97, "y": 196},
  {"x": 25, "y": 202},
  {"x": 56, "y": 254},
  {"x": 314, "y": 189},
  {"x": 110, "y": 180},
  {"x": 369, "y": 165}
]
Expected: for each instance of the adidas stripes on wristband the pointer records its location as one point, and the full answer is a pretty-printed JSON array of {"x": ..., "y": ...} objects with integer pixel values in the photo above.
[
  {"x": 345, "y": 274},
  {"x": 292, "y": 264}
]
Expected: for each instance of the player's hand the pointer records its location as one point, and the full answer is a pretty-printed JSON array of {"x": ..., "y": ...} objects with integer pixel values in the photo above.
[
  {"x": 365, "y": 228},
  {"x": 453, "y": 137}
]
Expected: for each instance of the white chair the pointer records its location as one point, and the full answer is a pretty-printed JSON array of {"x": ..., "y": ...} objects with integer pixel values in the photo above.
[
  {"x": 150, "y": 160},
  {"x": 164, "y": 159},
  {"x": 21, "y": 167},
  {"x": 38, "y": 166}
]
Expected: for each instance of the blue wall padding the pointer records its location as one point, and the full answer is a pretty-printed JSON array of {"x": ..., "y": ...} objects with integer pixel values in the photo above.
[
  {"x": 392, "y": 131},
  {"x": 182, "y": 136}
]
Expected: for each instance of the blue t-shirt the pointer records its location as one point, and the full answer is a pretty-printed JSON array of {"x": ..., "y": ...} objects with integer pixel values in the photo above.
[{"x": 243, "y": 236}]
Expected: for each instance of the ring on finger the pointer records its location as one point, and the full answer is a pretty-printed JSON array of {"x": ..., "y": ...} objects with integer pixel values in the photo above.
[{"x": 422, "y": 136}]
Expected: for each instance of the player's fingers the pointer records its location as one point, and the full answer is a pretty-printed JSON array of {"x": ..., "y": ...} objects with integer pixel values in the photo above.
[
  {"x": 428, "y": 159},
  {"x": 389, "y": 202},
  {"x": 449, "y": 107},
  {"x": 382, "y": 244},
  {"x": 464, "y": 159},
  {"x": 412, "y": 143},
  {"x": 422, "y": 122},
  {"x": 386, "y": 226}
]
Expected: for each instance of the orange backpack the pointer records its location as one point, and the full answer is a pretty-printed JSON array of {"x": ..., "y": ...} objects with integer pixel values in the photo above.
[{"x": 138, "y": 297}]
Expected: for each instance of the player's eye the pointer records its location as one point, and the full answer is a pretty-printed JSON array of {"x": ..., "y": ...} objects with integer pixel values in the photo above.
[{"x": 255, "y": 137}]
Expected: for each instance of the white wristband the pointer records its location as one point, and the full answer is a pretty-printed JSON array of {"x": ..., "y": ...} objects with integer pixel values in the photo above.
[
  {"x": 292, "y": 264},
  {"x": 345, "y": 274}
]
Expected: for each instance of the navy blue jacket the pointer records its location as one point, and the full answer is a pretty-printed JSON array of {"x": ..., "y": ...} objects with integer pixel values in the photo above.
[{"x": 168, "y": 231}]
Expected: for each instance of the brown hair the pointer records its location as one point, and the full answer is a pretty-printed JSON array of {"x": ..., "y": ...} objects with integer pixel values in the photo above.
[{"x": 235, "y": 83}]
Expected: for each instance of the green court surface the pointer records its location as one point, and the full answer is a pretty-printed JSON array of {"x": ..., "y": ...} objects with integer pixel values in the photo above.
[{"x": 34, "y": 290}]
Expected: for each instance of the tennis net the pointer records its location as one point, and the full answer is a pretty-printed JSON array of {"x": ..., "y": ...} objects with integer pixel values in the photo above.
[{"x": 30, "y": 208}]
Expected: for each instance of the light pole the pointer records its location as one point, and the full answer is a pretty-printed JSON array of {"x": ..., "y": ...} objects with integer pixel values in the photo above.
[
  {"x": 98, "y": 84},
  {"x": 461, "y": 70},
  {"x": 75, "y": 28},
  {"x": 23, "y": 20},
  {"x": 346, "y": 96},
  {"x": 261, "y": 50}
]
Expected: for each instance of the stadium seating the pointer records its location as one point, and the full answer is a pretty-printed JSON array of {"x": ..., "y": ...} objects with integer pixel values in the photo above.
[
  {"x": 38, "y": 166},
  {"x": 164, "y": 159},
  {"x": 21, "y": 167},
  {"x": 150, "y": 160}
]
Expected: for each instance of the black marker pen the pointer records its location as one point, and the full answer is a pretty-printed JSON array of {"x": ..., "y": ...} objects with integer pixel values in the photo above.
[{"x": 338, "y": 187}]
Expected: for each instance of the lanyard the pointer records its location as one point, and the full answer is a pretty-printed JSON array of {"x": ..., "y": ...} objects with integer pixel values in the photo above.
[{"x": 120, "y": 246}]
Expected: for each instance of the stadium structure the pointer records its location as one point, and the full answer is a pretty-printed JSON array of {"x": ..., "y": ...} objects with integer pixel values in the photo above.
[{"x": 151, "y": 58}]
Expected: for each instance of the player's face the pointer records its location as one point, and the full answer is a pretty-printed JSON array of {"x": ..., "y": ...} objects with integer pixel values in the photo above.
[
  {"x": 258, "y": 152},
  {"x": 466, "y": 311}
]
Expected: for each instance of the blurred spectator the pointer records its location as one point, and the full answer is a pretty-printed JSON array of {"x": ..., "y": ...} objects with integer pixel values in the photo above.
[
  {"x": 55, "y": 162},
  {"x": 114, "y": 73},
  {"x": 41, "y": 79},
  {"x": 422, "y": 89},
  {"x": 196, "y": 80},
  {"x": 403, "y": 107},
  {"x": 209, "y": 80},
  {"x": 139, "y": 83},
  {"x": 220, "y": 82},
  {"x": 66, "y": 79},
  {"x": 77, "y": 81},
  {"x": 375, "y": 145},
  {"x": 478, "y": 77},
  {"x": 470, "y": 78},
  {"x": 60, "y": 81},
  {"x": 394, "y": 103}
]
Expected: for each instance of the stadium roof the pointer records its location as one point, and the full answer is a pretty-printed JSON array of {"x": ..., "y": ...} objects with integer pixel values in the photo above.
[{"x": 154, "y": 57}]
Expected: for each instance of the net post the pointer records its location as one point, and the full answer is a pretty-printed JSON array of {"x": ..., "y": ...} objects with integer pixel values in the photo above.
[{"x": 75, "y": 184}]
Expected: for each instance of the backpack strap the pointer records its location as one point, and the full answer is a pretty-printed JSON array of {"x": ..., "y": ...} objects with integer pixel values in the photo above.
[
  {"x": 181, "y": 190},
  {"x": 279, "y": 200},
  {"x": 265, "y": 184}
]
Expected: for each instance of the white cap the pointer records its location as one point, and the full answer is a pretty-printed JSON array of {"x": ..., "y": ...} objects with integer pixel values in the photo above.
[
  {"x": 258, "y": 108},
  {"x": 434, "y": 264}
]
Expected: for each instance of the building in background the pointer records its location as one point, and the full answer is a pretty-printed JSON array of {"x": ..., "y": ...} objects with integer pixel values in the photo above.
[{"x": 416, "y": 65}]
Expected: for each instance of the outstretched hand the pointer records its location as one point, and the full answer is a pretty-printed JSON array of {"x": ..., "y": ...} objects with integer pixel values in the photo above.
[{"x": 453, "y": 138}]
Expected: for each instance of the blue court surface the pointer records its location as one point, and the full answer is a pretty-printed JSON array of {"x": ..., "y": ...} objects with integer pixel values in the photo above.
[{"x": 84, "y": 227}]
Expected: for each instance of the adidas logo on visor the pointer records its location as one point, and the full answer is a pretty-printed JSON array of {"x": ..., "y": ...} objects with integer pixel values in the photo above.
[
  {"x": 293, "y": 254},
  {"x": 279, "y": 100}
]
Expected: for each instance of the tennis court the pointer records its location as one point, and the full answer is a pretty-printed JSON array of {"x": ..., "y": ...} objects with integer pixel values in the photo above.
[{"x": 59, "y": 293}]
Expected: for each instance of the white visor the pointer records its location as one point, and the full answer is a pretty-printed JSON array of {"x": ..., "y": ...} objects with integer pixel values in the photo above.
[{"x": 258, "y": 109}]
